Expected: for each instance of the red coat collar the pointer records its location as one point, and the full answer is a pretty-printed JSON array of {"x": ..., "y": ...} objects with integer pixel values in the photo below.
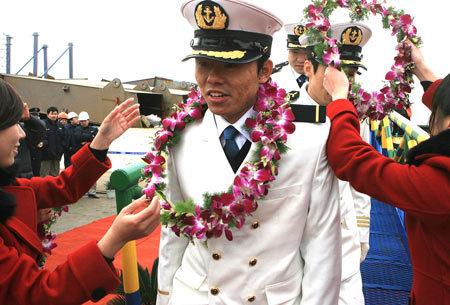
[
  {"x": 26, "y": 209},
  {"x": 24, "y": 221},
  {"x": 26, "y": 235}
]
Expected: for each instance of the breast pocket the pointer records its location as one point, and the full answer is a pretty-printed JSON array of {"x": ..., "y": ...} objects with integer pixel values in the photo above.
[
  {"x": 283, "y": 192},
  {"x": 285, "y": 292}
]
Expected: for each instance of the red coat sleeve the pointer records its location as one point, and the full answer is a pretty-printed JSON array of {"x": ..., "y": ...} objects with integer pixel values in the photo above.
[
  {"x": 84, "y": 276},
  {"x": 71, "y": 184},
  {"x": 423, "y": 189}
]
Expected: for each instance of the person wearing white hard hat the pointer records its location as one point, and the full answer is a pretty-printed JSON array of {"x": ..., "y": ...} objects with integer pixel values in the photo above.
[
  {"x": 85, "y": 133},
  {"x": 288, "y": 249},
  {"x": 73, "y": 116},
  {"x": 70, "y": 135},
  {"x": 290, "y": 75},
  {"x": 354, "y": 206}
]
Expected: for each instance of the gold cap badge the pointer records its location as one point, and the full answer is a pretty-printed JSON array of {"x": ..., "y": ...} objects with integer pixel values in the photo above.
[
  {"x": 352, "y": 36},
  {"x": 299, "y": 30},
  {"x": 210, "y": 15}
]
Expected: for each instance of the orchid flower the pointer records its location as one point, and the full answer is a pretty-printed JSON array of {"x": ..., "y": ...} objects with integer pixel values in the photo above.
[
  {"x": 332, "y": 55},
  {"x": 175, "y": 120}
]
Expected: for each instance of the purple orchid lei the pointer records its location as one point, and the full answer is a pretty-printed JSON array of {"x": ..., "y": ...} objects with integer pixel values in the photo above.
[
  {"x": 398, "y": 81},
  {"x": 222, "y": 211}
]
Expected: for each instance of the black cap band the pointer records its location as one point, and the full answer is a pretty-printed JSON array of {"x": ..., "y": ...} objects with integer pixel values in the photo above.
[{"x": 230, "y": 40}]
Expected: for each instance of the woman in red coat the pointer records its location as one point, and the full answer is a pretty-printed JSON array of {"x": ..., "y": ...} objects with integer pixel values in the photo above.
[
  {"x": 88, "y": 272},
  {"x": 420, "y": 188}
]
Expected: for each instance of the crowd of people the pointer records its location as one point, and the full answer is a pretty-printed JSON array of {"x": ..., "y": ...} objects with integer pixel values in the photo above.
[
  {"x": 59, "y": 136},
  {"x": 304, "y": 240}
]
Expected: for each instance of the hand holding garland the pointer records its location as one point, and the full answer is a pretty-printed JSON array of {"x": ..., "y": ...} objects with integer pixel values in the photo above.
[
  {"x": 336, "y": 83},
  {"x": 129, "y": 226},
  {"x": 398, "y": 81},
  {"x": 421, "y": 70}
]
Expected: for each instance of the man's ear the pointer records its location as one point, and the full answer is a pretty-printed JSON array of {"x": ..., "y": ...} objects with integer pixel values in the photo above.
[
  {"x": 266, "y": 71},
  {"x": 308, "y": 68}
]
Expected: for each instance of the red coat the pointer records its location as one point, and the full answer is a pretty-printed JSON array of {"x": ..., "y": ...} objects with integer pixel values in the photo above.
[
  {"x": 422, "y": 191},
  {"x": 85, "y": 275}
]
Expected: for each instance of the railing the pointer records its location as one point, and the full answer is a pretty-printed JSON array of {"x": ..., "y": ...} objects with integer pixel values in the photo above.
[
  {"x": 412, "y": 136},
  {"x": 125, "y": 182}
]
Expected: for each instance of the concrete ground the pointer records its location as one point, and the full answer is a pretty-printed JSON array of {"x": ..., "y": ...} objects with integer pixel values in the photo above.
[{"x": 87, "y": 210}]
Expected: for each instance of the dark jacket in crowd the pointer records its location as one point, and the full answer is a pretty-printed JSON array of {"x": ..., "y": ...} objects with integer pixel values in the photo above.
[
  {"x": 34, "y": 129},
  {"x": 84, "y": 135},
  {"x": 71, "y": 144},
  {"x": 54, "y": 141}
]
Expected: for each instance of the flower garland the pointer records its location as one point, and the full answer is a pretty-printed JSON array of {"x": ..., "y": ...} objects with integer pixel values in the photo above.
[
  {"x": 222, "y": 211},
  {"x": 46, "y": 236},
  {"x": 398, "y": 81}
]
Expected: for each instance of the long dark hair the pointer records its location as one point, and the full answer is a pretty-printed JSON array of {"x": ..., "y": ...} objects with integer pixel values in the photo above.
[
  {"x": 440, "y": 104},
  {"x": 11, "y": 108},
  {"x": 11, "y": 105}
]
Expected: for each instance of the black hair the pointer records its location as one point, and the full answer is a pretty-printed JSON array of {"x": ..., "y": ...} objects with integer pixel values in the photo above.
[
  {"x": 440, "y": 103},
  {"x": 260, "y": 63},
  {"x": 52, "y": 109},
  {"x": 11, "y": 109},
  {"x": 11, "y": 105},
  {"x": 310, "y": 55}
]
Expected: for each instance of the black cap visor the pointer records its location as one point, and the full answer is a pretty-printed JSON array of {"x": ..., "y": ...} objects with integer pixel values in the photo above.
[{"x": 230, "y": 46}]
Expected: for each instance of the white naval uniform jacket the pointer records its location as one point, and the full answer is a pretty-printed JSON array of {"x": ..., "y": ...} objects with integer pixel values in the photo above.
[
  {"x": 286, "y": 78},
  {"x": 287, "y": 252},
  {"x": 355, "y": 210}
]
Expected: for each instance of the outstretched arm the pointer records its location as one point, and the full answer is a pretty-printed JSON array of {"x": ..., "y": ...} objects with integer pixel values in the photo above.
[{"x": 115, "y": 124}]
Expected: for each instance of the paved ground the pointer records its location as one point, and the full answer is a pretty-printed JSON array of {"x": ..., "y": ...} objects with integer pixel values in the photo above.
[{"x": 87, "y": 210}]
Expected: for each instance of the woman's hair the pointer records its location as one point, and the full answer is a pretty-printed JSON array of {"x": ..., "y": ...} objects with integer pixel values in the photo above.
[
  {"x": 440, "y": 104},
  {"x": 11, "y": 105}
]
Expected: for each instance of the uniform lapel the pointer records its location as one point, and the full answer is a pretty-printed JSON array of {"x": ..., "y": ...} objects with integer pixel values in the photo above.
[
  {"x": 213, "y": 147},
  {"x": 210, "y": 136}
]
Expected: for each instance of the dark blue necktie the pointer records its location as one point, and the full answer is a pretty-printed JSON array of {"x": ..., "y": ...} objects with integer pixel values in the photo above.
[
  {"x": 301, "y": 80},
  {"x": 231, "y": 149}
]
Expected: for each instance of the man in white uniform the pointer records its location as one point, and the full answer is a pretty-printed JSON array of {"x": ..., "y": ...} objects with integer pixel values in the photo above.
[
  {"x": 355, "y": 206},
  {"x": 290, "y": 75},
  {"x": 288, "y": 251}
]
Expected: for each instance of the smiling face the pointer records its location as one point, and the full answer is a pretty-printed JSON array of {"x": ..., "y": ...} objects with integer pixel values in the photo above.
[
  {"x": 10, "y": 144},
  {"x": 230, "y": 89},
  {"x": 297, "y": 59}
]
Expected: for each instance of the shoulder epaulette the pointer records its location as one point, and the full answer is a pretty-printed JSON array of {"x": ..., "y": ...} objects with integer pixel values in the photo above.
[
  {"x": 309, "y": 113},
  {"x": 292, "y": 96},
  {"x": 279, "y": 66}
]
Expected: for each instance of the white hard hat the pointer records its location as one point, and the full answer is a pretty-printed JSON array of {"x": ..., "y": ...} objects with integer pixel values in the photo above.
[
  {"x": 72, "y": 115},
  {"x": 83, "y": 116}
]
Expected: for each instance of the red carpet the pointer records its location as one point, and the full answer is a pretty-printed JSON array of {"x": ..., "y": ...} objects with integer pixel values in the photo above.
[{"x": 146, "y": 248}]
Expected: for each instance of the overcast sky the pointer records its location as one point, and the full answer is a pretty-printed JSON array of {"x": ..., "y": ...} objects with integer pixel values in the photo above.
[{"x": 136, "y": 39}]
